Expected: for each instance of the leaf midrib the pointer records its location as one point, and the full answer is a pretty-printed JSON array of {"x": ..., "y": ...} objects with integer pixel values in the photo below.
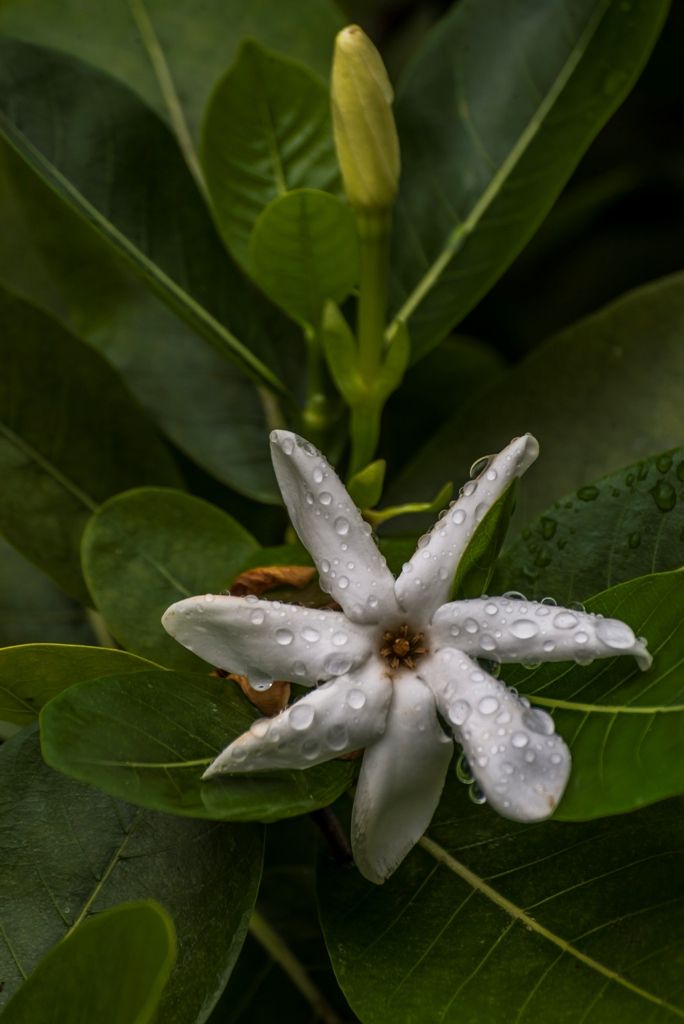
[
  {"x": 50, "y": 468},
  {"x": 518, "y": 914},
  {"x": 457, "y": 237}
]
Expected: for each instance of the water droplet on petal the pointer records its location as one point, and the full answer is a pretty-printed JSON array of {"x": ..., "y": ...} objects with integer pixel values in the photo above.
[
  {"x": 284, "y": 636},
  {"x": 341, "y": 526},
  {"x": 337, "y": 736},
  {"x": 549, "y": 645},
  {"x": 339, "y": 639},
  {"x": 310, "y": 749},
  {"x": 318, "y": 475},
  {"x": 458, "y": 517},
  {"x": 524, "y": 629},
  {"x": 301, "y": 716},
  {"x": 488, "y": 705},
  {"x": 325, "y": 498},
  {"x": 257, "y": 617},
  {"x": 519, "y": 740},
  {"x": 565, "y": 620},
  {"x": 539, "y": 721},
  {"x": 259, "y": 728},
  {"x": 311, "y": 635},
  {"x": 491, "y": 609},
  {"x": 459, "y": 712},
  {"x": 356, "y": 699},
  {"x": 476, "y": 794},
  {"x": 581, "y": 638},
  {"x": 343, "y": 583},
  {"x": 471, "y": 626},
  {"x": 487, "y": 642}
]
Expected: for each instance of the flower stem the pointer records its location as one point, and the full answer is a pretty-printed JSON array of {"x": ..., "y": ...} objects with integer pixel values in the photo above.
[
  {"x": 317, "y": 415},
  {"x": 365, "y": 431}
]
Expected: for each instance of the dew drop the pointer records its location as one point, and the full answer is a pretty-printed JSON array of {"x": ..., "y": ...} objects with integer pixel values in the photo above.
[
  {"x": 299, "y": 669},
  {"x": 549, "y": 645},
  {"x": 458, "y": 516},
  {"x": 301, "y": 716},
  {"x": 476, "y": 794},
  {"x": 257, "y": 617},
  {"x": 581, "y": 638},
  {"x": 487, "y": 642},
  {"x": 488, "y": 705},
  {"x": 343, "y": 583},
  {"x": 310, "y": 749},
  {"x": 311, "y": 635},
  {"x": 491, "y": 609},
  {"x": 524, "y": 629},
  {"x": 339, "y": 639},
  {"x": 337, "y": 736},
  {"x": 287, "y": 445},
  {"x": 565, "y": 620},
  {"x": 341, "y": 526},
  {"x": 556, "y": 759},
  {"x": 469, "y": 489},
  {"x": 325, "y": 498},
  {"x": 356, "y": 699},
  {"x": 519, "y": 740},
  {"x": 318, "y": 475},
  {"x": 284, "y": 637},
  {"x": 471, "y": 626},
  {"x": 459, "y": 712}
]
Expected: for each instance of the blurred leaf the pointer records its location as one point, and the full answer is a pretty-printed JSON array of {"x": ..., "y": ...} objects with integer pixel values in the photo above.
[
  {"x": 627, "y": 524},
  {"x": 32, "y": 674},
  {"x": 80, "y": 980},
  {"x": 149, "y": 737},
  {"x": 75, "y": 438},
  {"x": 625, "y": 727},
  {"x": 146, "y": 549},
  {"x": 69, "y": 851},
  {"x": 267, "y": 130},
  {"x": 186, "y": 43},
  {"x": 88, "y": 138},
  {"x": 304, "y": 251},
  {"x": 489, "y": 920},
  {"x": 33, "y": 608},
  {"x": 589, "y": 394},
  {"x": 500, "y": 102},
  {"x": 475, "y": 568}
]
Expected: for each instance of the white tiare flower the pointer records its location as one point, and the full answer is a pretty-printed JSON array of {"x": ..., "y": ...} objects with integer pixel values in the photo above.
[{"x": 397, "y": 666}]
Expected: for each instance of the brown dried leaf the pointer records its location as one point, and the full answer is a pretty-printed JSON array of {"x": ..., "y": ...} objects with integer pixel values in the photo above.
[{"x": 267, "y": 577}]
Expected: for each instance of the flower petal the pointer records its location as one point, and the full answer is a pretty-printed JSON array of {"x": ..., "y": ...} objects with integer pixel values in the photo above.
[
  {"x": 401, "y": 781},
  {"x": 425, "y": 582},
  {"x": 266, "y": 640},
  {"x": 519, "y": 762},
  {"x": 331, "y": 528},
  {"x": 343, "y": 715},
  {"x": 509, "y": 629}
]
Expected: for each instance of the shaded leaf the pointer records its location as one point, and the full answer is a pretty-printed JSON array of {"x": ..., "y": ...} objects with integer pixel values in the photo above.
[
  {"x": 267, "y": 130},
  {"x": 502, "y": 127},
  {"x": 493, "y": 921},
  {"x": 75, "y": 438},
  {"x": 80, "y": 980},
  {"x": 146, "y": 549},
  {"x": 304, "y": 251},
  {"x": 624, "y": 525},
  {"x": 148, "y": 737},
  {"x": 69, "y": 851},
  {"x": 475, "y": 568}
]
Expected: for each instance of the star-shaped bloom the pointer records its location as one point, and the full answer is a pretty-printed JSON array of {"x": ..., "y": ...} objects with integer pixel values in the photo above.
[{"x": 396, "y": 672}]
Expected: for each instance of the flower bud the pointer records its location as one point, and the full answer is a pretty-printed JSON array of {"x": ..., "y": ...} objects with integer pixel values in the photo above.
[{"x": 365, "y": 133}]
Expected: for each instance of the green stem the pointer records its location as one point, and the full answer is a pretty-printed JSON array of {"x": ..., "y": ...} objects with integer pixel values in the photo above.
[
  {"x": 365, "y": 432},
  {"x": 295, "y": 970},
  {"x": 374, "y": 236}
]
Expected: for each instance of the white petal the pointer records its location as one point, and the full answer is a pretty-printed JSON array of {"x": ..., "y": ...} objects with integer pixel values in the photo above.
[
  {"x": 426, "y": 579},
  {"x": 331, "y": 528},
  {"x": 401, "y": 781},
  {"x": 343, "y": 715},
  {"x": 266, "y": 640},
  {"x": 519, "y": 762},
  {"x": 509, "y": 629}
]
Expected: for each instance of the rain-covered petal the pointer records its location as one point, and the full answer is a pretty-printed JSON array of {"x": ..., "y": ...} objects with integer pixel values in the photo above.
[
  {"x": 519, "y": 762},
  {"x": 342, "y": 715},
  {"x": 401, "y": 781},
  {"x": 331, "y": 528},
  {"x": 510, "y": 629},
  {"x": 266, "y": 640},
  {"x": 426, "y": 579}
]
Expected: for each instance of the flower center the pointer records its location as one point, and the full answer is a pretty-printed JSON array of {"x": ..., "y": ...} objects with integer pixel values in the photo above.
[{"x": 402, "y": 648}]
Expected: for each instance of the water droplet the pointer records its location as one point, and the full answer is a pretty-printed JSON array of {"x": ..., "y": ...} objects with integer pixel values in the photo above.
[
  {"x": 491, "y": 474},
  {"x": 343, "y": 583},
  {"x": 310, "y": 749},
  {"x": 514, "y": 595},
  {"x": 284, "y": 636},
  {"x": 463, "y": 772},
  {"x": 530, "y": 756},
  {"x": 318, "y": 475},
  {"x": 548, "y": 527},
  {"x": 311, "y": 635},
  {"x": 488, "y": 705},
  {"x": 615, "y": 634},
  {"x": 581, "y": 638},
  {"x": 538, "y": 721},
  {"x": 524, "y": 629},
  {"x": 443, "y": 573},
  {"x": 301, "y": 716},
  {"x": 487, "y": 642},
  {"x": 287, "y": 445},
  {"x": 299, "y": 668},
  {"x": 257, "y": 617},
  {"x": 337, "y": 736},
  {"x": 471, "y": 626},
  {"x": 491, "y": 609},
  {"x": 356, "y": 699},
  {"x": 479, "y": 465},
  {"x": 209, "y": 598},
  {"x": 664, "y": 495},
  {"x": 341, "y": 526},
  {"x": 372, "y": 601},
  {"x": 480, "y": 511},
  {"x": 309, "y": 498},
  {"x": 476, "y": 794},
  {"x": 556, "y": 759},
  {"x": 549, "y": 645},
  {"x": 459, "y": 712},
  {"x": 565, "y": 620},
  {"x": 469, "y": 489},
  {"x": 458, "y": 516},
  {"x": 339, "y": 639},
  {"x": 634, "y": 540},
  {"x": 325, "y": 498},
  {"x": 519, "y": 740},
  {"x": 589, "y": 493}
]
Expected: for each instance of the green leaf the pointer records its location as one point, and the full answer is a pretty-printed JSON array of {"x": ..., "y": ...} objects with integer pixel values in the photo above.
[
  {"x": 33, "y": 608},
  {"x": 342, "y": 354},
  {"x": 501, "y": 102},
  {"x": 75, "y": 438},
  {"x": 146, "y": 549},
  {"x": 267, "y": 130},
  {"x": 80, "y": 980},
  {"x": 625, "y": 525},
  {"x": 588, "y": 394},
  {"x": 167, "y": 50},
  {"x": 476, "y": 567},
  {"x": 32, "y": 674},
  {"x": 365, "y": 487},
  {"x": 69, "y": 852},
  {"x": 625, "y": 727},
  {"x": 304, "y": 252},
  {"x": 148, "y": 737},
  {"x": 488, "y": 920},
  {"x": 52, "y": 112}
]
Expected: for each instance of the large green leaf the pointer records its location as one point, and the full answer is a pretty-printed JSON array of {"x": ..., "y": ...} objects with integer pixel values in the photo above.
[
  {"x": 32, "y": 674},
  {"x": 171, "y": 52},
  {"x": 597, "y": 396},
  {"x": 69, "y": 851},
  {"x": 627, "y": 524},
  {"x": 80, "y": 980},
  {"x": 88, "y": 138},
  {"x": 147, "y": 548},
  {"x": 267, "y": 130},
  {"x": 492, "y": 921},
  {"x": 33, "y": 608},
  {"x": 148, "y": 737},
  {"x": 304, "y": 251},
  {"x": 493, "y": 115},
  {"x": 625, "y": 727},
  {"x": 75, "y": 438}
]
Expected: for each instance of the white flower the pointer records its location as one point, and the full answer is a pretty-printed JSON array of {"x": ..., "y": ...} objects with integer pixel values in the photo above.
[{"x": 398, "y": 665}]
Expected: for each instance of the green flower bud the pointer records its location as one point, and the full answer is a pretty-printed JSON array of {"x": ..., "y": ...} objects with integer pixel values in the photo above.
[{"x": 365, "y": 133}]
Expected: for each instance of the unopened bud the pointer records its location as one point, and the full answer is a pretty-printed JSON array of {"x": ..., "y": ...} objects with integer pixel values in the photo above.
[{"x": 365, "y": 133}]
